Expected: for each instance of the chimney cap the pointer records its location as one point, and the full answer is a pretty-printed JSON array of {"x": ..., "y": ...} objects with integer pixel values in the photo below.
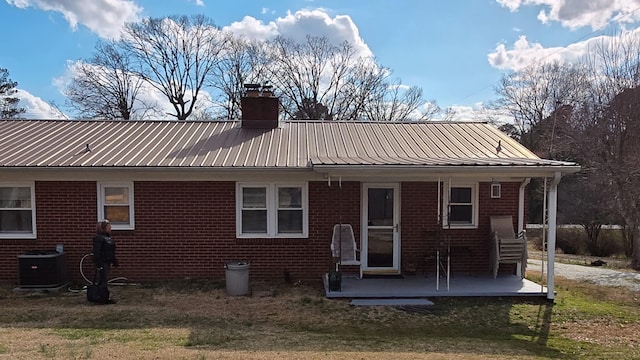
[{"x": 252, "y": 86}]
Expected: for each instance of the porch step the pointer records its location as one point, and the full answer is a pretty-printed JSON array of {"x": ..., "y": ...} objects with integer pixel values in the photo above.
[{"x": 390, "y": 302}]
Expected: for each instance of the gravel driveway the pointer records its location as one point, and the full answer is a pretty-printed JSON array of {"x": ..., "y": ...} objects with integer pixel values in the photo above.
[{"x": 594, "y": 274}]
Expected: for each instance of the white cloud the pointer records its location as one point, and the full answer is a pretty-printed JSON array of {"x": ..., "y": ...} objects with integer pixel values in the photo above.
[
  {"x": 254, "y": 29},
  {"x": 298, "y": 25},
  {"x": 525, "y": 53},
  {"x": 478, "y": 112},
  {"x": 36, "y": 108},
  {"x": 513, "y": 5},
  {"x": 575, "y": 14},
  {"x": 104, "y": 17}
]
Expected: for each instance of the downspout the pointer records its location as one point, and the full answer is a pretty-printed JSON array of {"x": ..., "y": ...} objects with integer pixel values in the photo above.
[
  {"x": 521, "y": 204},
  {"x": 551, "y": 232},
  {"x": 521, "y": 215}
]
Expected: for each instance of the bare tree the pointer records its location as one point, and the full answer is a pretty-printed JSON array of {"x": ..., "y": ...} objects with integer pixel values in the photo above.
[
  {"x": 608, "y": 127},
  {"x": 176, "y": 55},
  {"x": 320, "y": 80},
  {"x": 394, "y": 102},
  {"x": 532, "y": 94},
  {"x": 583, "y": 200},
  {"x": 104, "y": 86},
  {"x": 241, "y": 62},
  {"x": 532, "y": 97},
  {"x": 8, "y": 102},
  {"x": 618, "y": 156}
]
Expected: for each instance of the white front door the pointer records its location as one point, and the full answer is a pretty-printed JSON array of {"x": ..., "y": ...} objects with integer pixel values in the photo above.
[{"x": 380, "y": 228}]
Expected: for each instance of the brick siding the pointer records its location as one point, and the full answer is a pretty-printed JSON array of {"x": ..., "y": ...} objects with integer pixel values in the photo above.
[{"x": 187, "y": 230}]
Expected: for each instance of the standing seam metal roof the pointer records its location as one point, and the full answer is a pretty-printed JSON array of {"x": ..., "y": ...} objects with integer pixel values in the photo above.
[{"x": 296, "y": 144}]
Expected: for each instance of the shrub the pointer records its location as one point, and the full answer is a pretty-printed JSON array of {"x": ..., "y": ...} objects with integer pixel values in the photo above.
[
  {"x": 571, "y": 240},
  {"x": 574, "y": 240}
]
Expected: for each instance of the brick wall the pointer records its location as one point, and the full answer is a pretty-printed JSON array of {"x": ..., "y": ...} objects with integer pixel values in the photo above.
[
  {"x": 470, "y": 247},
  {"x": 187, "y": 230},
  {"x": 182, "y": 230}
]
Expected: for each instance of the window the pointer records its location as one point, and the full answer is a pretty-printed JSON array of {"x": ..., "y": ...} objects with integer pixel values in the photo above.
[
  {"x": 17, "y": 211},
  {"x": 463, "y": 209},
  {"x": 115, "y": 203},
  {"x": 271, "y": 210},
  {"x": 496, "y": 191}
]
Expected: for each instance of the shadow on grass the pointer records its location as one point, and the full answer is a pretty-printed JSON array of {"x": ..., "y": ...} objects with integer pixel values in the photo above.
[
  {"x": 299, "y": 319},
  {"x": 487, "y": 327}
]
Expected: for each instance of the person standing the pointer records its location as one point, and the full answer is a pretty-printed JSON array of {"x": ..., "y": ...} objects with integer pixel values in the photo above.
[{"x": 104, "y": 252}]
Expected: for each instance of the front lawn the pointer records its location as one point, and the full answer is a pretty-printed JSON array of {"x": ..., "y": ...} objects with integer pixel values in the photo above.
[{"x": 196, "y": 320}]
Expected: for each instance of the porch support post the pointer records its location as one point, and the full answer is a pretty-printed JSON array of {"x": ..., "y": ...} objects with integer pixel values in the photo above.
[{"x": 551, "y": 234}]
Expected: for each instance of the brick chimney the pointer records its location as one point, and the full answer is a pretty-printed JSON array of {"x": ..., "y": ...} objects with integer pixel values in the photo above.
[{"x": 260, "y": 108}]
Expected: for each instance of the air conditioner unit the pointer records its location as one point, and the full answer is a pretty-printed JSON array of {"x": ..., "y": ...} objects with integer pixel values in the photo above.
[{"x": 42, "y": 269}]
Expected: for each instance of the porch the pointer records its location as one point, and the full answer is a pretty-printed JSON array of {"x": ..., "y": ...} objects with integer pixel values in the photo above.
[{"x": 415, "y": 286}]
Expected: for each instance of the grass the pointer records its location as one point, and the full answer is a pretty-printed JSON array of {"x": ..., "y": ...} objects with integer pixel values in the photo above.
[{"x": 196, "y": 320}]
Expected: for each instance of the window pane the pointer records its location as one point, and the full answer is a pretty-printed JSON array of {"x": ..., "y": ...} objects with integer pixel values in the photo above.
[
  {"x": 15, "y": 197},
  {"x": 254, "y": 198},
  {"x": 117, "y": 214},
  {"x": 461, "y": 214},
  {"x": 290, "y": 197},
  {"x": 254, "y": 221},
  {"x": 380, "y": 247},
  {"x": 290, "y": 221},
  {"x": 116, "y": 195},
  {"x": 13, "y": 221},
  {"x": 461, "y": 195},
  {"x": 380, "y": 207}
]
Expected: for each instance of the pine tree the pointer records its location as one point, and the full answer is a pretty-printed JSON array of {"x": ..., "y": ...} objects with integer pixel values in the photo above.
[{"x": 8, "y": 102}]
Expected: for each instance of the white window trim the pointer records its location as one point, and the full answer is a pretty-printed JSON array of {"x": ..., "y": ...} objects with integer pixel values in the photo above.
[
  {"x": 33, "y": 234},
  {"x": 272, "y": 210},
  {"x": 101, "y": 215},
  {"x": 474, "y": 206},
  {"x": 496, "y": 191}
]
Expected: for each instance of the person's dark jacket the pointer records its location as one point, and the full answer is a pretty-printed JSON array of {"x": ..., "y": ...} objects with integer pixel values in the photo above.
[{"x": 104, "y": 251}]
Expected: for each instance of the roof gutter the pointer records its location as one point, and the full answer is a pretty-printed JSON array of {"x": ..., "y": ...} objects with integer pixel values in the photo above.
[{"x": 524, "y": 171}]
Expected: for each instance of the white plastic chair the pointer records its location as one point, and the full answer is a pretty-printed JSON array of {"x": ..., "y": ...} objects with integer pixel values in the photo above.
[
  {"x": 507, "y": 247},
  {"x": 343, "y": 246}
]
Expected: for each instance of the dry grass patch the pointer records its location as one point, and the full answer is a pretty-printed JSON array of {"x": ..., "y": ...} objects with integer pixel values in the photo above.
[{"x": 197, "y": 320}]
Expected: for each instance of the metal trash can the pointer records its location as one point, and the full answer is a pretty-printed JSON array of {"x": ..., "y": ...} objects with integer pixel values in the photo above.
[{"x": 237, "y": 278}]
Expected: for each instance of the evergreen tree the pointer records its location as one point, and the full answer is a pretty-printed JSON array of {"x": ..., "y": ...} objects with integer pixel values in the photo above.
[{"x": 8, "y": 102}]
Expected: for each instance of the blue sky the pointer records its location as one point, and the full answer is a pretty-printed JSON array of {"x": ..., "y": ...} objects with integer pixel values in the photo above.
[{"x": 455, "y": 50}]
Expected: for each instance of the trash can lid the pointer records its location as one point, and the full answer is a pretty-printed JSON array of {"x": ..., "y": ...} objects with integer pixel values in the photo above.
[{"x": 238, "y": 265}]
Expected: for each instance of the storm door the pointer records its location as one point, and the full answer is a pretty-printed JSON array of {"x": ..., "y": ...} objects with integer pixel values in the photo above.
[{"x": 381, "y": 236}]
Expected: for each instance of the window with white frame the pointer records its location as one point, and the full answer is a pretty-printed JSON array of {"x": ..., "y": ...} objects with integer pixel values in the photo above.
[
  {"x": 17, "y": 211},
  {"x": 271, "y": 210},
  {"x": 115, "y": 203},
  {"x": 463, "y": 205}
]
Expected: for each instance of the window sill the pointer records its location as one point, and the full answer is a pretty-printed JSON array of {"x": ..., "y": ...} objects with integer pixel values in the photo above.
[
  {"x": 122, "y": 227},
  {"x": 18, "y": 236},
  {"x": 456, "y": 227},
  {"x": 265, "y": 236}
]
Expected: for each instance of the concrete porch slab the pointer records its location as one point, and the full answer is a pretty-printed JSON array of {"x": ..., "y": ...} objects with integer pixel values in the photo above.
[{"x": 419, "y": 286}]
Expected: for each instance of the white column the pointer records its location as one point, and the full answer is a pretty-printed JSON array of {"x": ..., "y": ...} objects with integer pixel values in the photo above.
[{"x": 551, "y": 234}]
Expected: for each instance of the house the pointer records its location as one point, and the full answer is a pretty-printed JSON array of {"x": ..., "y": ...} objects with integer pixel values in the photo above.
[{"x": 185, "y": 198}]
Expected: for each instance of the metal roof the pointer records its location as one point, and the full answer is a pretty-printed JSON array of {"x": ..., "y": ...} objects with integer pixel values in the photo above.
[{"x": 296, "y": 144}]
